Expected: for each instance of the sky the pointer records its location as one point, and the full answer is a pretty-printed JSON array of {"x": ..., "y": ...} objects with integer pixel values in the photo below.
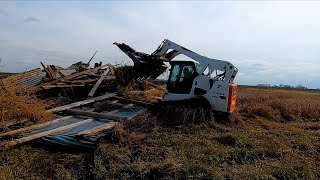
[{"x": 270, "y": 42}]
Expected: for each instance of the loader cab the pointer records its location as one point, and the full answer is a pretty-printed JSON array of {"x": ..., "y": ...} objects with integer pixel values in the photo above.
[{"x": 181, "y": 76}]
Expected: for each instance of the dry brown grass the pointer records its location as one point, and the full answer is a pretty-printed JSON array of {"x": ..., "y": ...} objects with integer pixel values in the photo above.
[
  {"x": 126, "y": 79},
  {"x": 273, "y": 134},
  {"x": 26, "y": 162},
  {"x": 279, "y": 105},
  {"x": 17, "y": 104},
  {"x": 151, "y": 95}
]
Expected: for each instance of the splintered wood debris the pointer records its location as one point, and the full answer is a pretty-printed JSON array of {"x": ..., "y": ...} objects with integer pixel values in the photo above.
[
  {"x": 81, "y": 129},
  {"x": 55, "y": 77},
  {"x": 79, "y": 123}
]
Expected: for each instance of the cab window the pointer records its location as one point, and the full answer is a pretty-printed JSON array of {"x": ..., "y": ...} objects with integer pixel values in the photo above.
[{"x": 181, "y": 78}]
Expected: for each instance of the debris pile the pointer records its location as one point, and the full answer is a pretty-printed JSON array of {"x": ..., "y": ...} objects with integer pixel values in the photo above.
[{"x": 103, "y": 96}]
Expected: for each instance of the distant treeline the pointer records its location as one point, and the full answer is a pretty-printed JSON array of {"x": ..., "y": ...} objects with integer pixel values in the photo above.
[
  {"x": 290, "y": 87},
  {"x": 287, "y": 87}
]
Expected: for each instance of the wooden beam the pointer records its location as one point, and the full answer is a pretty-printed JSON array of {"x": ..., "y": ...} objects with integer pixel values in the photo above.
[
  {"x": 59, "y": 72},
  {"x": 97, "y": 129},
  {"x": 22, "y": 130},
  {"x": 70, "y": 76},
  {"x": 95, "y": 87},
  {"x": 80, "y": 103},
  {"x": 95, "y": 114},
  {"x": 42, "y": 134},
  {"x": 46, "y": 70},
  {"x": 50, "y": 70}
]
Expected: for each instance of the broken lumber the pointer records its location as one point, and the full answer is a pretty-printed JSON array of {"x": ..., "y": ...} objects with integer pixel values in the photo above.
[
  {"x": 50, "y": 70},
  {"x": 97, "y": 129},
  {"x": 80, "y": 103},
  {"x": 46, "y": 70},
  {"x": 82, "y": 81},
  {"x": 110, "y": 77},
  {"x": 58, "y": 71},
  {"x": 134, "y": 101},
  {"x": 70, "y": 76},
  {"x": 95, "y": 114},
  {"x": 42, "y": 134},
  {"x": 62, "y": 86},
  {"x": 95, "y": 87},
  {"x": 117, "y": 110},
  {"x": 22, "y": 130}
]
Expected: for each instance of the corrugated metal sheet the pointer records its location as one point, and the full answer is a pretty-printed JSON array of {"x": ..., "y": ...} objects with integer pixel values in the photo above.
[
  {"x": 69, "y": 138},
  {"x": 27, "y": 79}
]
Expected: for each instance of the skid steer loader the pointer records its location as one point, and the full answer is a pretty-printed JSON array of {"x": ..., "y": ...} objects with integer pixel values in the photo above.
[{"x": 188, "y": 79}]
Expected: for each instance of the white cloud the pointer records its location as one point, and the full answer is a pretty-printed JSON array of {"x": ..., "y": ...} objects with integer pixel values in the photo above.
[{"x": 270, "y": 42}]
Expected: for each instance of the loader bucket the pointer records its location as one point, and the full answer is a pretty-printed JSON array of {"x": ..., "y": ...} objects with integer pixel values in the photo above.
[{"x": 146, "y": 65}]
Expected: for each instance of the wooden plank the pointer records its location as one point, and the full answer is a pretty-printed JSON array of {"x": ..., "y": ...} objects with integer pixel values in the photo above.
[
  {"x": 82, "y": 81},
  {"x": 22, "y": 130},
  {"x": 71, "y": 76},
  {"x": 46, "y": 70},
  {"x": 90, "y": 110},
  {"x": 117, "y": 110},
  {"x": 134, "y": 101},
  {"x": 97, "y": 129},
  {"x": 95, "y": 114},
  {"x": 50, "y": 70},
  {"x": 80, "y": 103},
  {"x": 110, "y": 77},
  {"x": 95, "y": 87},
  {"x": 42, "y": 134},
  {"x": 59, "y": 72},
  {"x": 62, "y": 86}
]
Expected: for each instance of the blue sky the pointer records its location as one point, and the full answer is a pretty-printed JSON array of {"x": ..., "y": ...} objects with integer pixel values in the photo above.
[{"x": 270, "y": 42}]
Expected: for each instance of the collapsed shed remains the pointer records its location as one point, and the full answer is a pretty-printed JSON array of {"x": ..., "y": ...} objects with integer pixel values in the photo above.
[{"x": 78, "y": 124}]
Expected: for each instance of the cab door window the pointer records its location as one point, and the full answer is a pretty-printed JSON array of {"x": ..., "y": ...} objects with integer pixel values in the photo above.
[{"x": 181, "y": 78}]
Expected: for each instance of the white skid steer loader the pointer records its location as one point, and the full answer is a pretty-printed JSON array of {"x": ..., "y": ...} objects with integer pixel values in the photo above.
[{"x": 188, "y": 79}]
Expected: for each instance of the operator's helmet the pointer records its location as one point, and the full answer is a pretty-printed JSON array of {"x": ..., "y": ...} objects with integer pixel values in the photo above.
[{"x": 186, "y": 72}]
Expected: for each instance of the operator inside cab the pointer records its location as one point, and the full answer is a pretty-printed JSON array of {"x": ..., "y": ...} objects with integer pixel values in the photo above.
[{"x": 186, "y": 73}]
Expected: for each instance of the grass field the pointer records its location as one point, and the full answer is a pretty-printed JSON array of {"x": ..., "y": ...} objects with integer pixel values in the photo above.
[{"x": 273, "y": 134}]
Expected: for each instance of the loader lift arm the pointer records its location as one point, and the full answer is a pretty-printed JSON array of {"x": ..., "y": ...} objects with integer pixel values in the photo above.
[
  {"x": 153, "y": 64},
  {"x": 229, "y": 70}
]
